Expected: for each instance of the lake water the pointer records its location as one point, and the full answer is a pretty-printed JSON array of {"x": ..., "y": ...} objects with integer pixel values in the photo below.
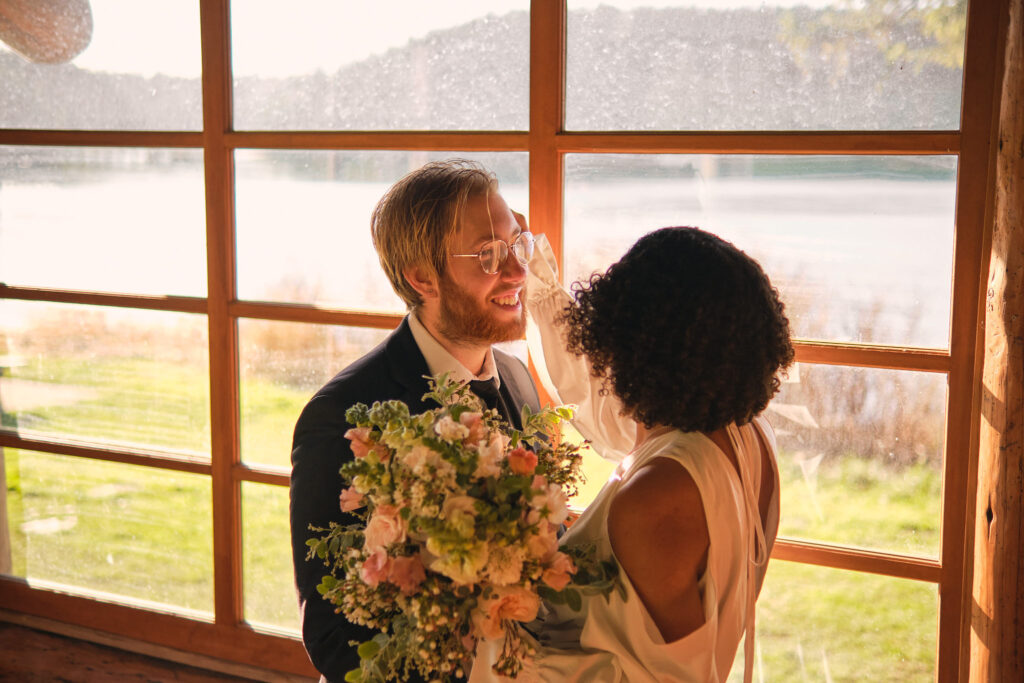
[{"x": 857, "y": 259}]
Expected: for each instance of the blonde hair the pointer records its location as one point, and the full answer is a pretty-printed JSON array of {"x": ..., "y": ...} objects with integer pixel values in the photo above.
[{"x": 414, "y": 222}]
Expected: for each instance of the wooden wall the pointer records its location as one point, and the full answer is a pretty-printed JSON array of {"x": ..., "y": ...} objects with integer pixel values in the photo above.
[{"x": 997, "y": 614}]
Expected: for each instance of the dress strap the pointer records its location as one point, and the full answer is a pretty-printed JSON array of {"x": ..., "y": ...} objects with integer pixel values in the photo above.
[{"x": 759, "y": 551}]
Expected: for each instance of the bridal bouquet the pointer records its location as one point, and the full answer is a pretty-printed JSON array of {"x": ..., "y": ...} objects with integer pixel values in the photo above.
[{"x": 458, "y": 534}]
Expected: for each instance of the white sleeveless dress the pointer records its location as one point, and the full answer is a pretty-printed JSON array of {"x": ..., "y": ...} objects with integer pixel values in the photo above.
[{"x": 615, "y": 639}]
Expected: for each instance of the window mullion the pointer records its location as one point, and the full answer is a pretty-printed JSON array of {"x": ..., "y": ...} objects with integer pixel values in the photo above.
[
  {"x": 766, "y": 142},
  {"x": 547, "y": 113},
  {"x": 223, "y": 330}
]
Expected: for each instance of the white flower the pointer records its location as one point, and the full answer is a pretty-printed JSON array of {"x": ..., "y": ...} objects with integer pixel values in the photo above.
[
  {"x": 418, "y": 457},
  {"x": 460, "y": 513},
  {"x": 450, "y": 430},
  {"x": 505, "y": 565},
  {"x": 552, "y": 503},
  {"x": 461, "y": 565},
  {"x": 491, "y": 455}
]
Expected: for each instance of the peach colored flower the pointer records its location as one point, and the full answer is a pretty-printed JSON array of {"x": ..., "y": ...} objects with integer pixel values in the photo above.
[
  {"x": 382, "y": 451},
  {"x": 361, "y": 442},
  {"x": 522, "y": 461},
  {"x": 474, "y": 423},
  {"x": 543, "y": 544},
  {"x": 350, "y": 500},
  {"x": 385, "y": 527},
  {"x": 557, "y": 573},
  {"x": 505, "y": 602},
  {"x": 363, "y": 445},
  {"x": 375, "y": 568},
  {"x": 407, "y": 573}
]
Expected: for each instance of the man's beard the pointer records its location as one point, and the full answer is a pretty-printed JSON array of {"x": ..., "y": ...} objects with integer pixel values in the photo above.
[{"x": 464, "y": 321}]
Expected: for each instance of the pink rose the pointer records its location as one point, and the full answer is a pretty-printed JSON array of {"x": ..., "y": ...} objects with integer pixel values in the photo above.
[
  {"x": 350, "y": 500},
  {"x": 385, "y": 527},
  {"x": 557, "y": 573},
  {"x": 506, "y": 602},
  {"x": 407, "y": 573},
  {"x": 522, "y": 461},
  {"x": 375, "y": 568},
  {"x": 360, "y": 438}
]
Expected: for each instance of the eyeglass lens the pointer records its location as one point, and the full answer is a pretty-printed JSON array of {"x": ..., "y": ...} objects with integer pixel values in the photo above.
[{"x": 494, "y": 253}]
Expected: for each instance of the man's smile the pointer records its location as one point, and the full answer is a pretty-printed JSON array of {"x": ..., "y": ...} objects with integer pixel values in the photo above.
[{"x": 508, "y": 299}]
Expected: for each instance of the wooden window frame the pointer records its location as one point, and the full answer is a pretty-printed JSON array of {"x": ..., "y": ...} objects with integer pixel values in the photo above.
[{"x": 228, "y": 636}]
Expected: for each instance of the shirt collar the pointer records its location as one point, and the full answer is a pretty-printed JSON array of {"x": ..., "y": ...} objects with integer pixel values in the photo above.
[{"x": 439, "y": 360}]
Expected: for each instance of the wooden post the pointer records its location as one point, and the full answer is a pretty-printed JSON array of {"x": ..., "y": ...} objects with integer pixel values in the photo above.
[{"x": 997, "y": 619}]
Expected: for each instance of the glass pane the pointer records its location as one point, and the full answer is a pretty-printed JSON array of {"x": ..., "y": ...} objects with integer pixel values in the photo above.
[
  {"x": 138, "y": 532},
  {"x": 861, "y": 248},
  {"x": 860, "y": 456},
  {"x": 282, "y": 366},
  {"x": 596, "y": 469},
  {"x": 443, "y": 65},
  {"x": 116, "y": 376},
  {"x": 818, "y": 624},
  {"x": 106, "y": 219},
  {"x": 764, "y": 65},
  {"x": 267, "y": 557},
  {"x": 304, "y": 221},
  {"x": 123, "y": 65}
]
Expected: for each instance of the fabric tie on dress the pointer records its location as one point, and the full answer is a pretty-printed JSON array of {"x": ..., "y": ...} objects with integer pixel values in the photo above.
[{"x": 758, "y": 553}]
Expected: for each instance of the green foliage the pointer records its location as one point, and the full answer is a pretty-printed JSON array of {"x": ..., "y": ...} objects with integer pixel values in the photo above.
[{"x": 920, "y": 33}]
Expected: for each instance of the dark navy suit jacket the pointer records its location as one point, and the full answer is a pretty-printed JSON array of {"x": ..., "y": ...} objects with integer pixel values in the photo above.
[{"x": 393, "y": 370}]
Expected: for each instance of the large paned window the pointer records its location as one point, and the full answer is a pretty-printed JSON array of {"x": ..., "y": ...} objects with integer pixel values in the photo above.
[{"x": 185, "y": 258}]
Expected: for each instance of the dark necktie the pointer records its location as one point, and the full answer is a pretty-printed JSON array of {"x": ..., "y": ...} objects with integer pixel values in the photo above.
[{"x": 487, "y": 390}]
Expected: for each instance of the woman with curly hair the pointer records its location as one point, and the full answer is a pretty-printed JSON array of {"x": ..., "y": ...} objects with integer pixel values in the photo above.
[{"x": 671, "y": 356}]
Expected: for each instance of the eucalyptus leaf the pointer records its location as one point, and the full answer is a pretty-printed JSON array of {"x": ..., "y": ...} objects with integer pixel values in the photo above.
[{"x": 369, "y": 649}]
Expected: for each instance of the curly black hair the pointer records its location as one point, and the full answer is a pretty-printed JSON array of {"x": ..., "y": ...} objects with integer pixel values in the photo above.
[{"x": 685, "y": 329}]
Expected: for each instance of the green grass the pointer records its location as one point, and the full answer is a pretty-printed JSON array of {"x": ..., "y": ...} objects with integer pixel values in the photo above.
[
  {"x": 138, "y": 401},
  {"x": 146, "y": 533},
  {"x": 858, "y": 502},
  {"x": 135, "y": 531}
]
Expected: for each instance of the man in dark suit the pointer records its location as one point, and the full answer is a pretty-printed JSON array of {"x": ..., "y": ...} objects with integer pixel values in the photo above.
[{"x": 457, "y": 256}]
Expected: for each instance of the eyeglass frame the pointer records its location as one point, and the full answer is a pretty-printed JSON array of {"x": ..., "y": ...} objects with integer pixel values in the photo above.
[{"x": 509, "y": 249}]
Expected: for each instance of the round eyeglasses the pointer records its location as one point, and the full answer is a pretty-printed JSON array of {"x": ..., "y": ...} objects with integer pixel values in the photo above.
[{"x": 493, "y": 254}]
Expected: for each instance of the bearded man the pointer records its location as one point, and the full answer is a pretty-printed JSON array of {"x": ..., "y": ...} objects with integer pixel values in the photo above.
[{"x": 457, "y": 256}]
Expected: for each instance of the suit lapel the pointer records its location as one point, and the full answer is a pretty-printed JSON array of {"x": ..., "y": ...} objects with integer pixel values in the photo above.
[
  {"x": 408, "y": 366},
  {"x": 516, "y": 386}
]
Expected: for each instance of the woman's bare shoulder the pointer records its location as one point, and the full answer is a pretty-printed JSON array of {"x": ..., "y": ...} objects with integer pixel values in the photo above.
[
  {"x": 661, "y": 498},
  {"x": 659, "y": 534}
]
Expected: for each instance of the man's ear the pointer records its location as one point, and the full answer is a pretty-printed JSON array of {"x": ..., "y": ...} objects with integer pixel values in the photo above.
[{"x": 423, "y": 280}]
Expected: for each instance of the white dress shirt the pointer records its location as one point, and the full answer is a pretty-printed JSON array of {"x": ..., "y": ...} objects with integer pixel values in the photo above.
[{"x": 439, "y": 360}]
